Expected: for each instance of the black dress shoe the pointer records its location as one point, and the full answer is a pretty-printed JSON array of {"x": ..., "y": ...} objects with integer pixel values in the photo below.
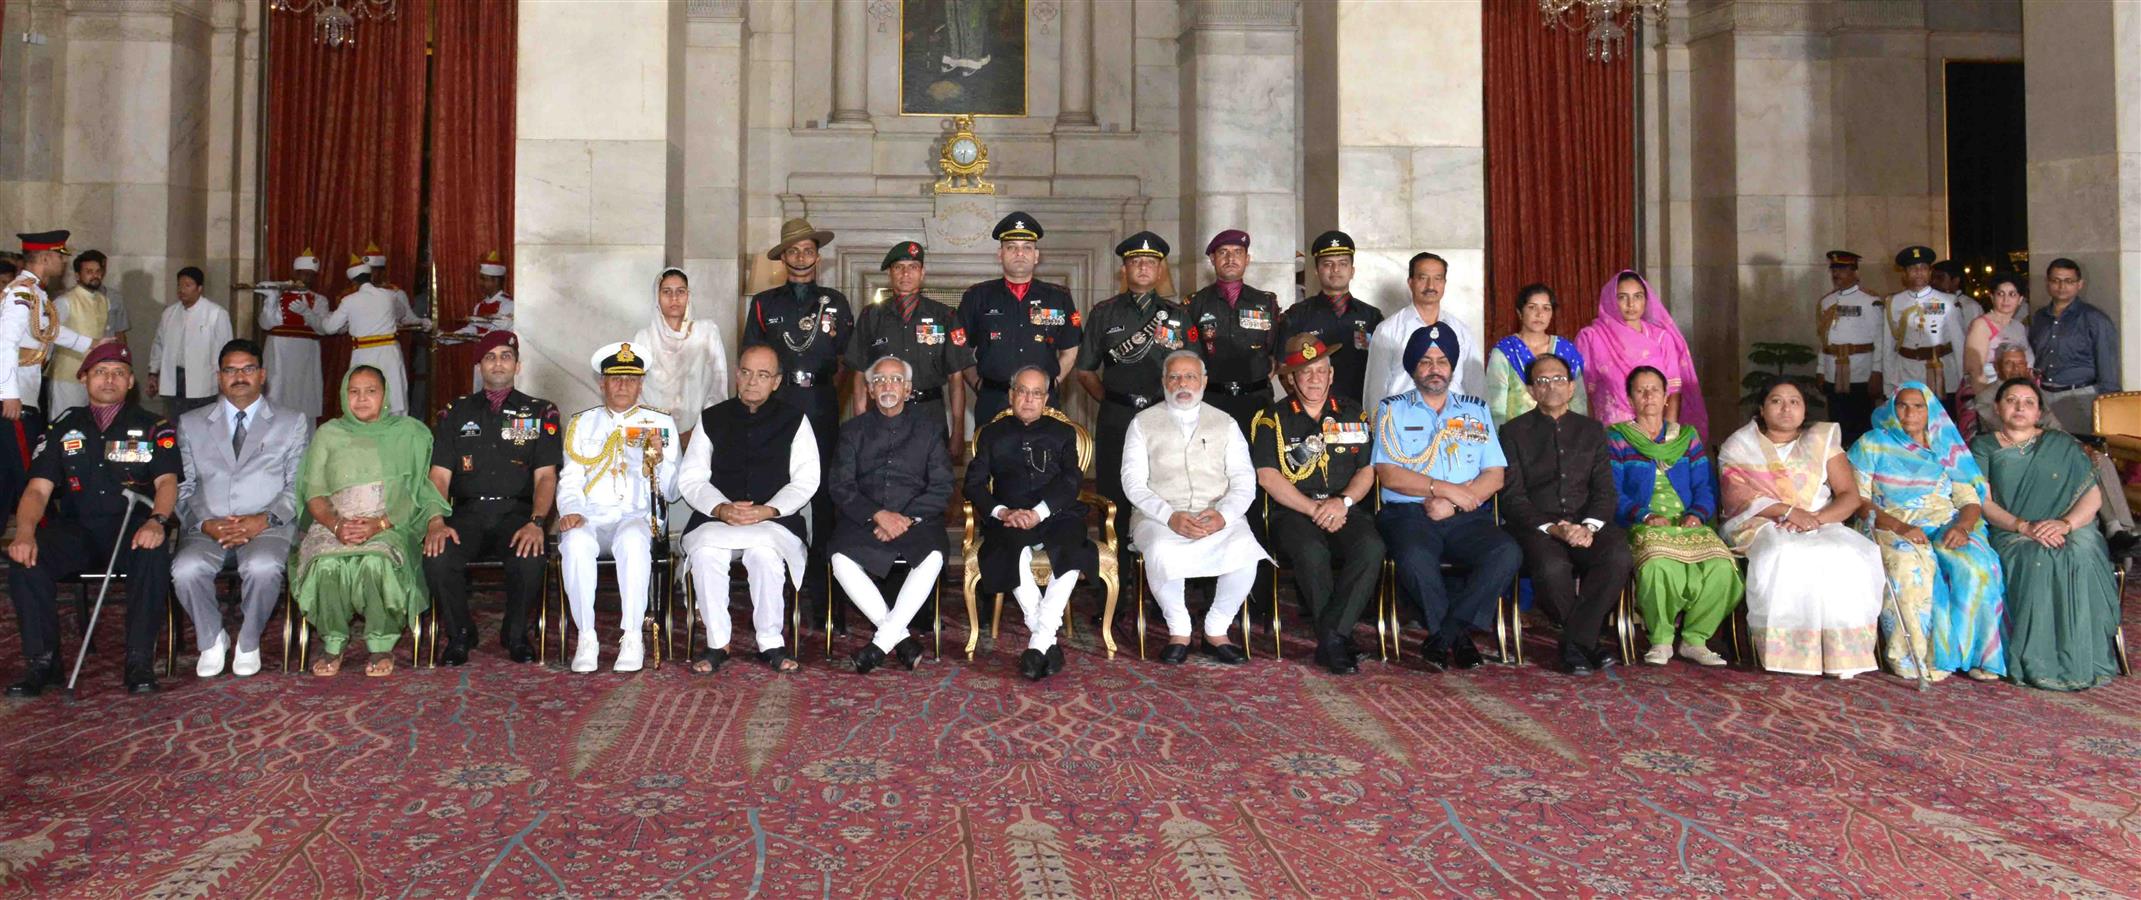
[
  {"x": 1601, "y": 660},
  {"x": 2123, "y": 544},
  {"x": 1174, "y": 655},
  {"x": 1575, "y": 662},
  {"x": 909, "y": 652},
  {"x": 1465, "y": 655},
  {"x": 1033, "y": 664},
  {"x": 1338, "y": 659},
  {"x": 522, "y": 653},
  {"x": 1054, "y": 657},
  {"x": 867, "y": 658},
  {"x": 469, "y": 637},
  {"x": 34, "y": 682},
  {"x": 140, "y": 680},
  {"x": 1225, "y": 653},
  {"x": 456, "y": 654},
  {"x": 1437, "y": 657}
]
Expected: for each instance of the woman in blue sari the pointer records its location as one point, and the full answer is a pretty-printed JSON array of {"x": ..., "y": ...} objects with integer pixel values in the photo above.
[
  {"x": 1507, "y": 397},
  {"x": 1946, "y": 595}
]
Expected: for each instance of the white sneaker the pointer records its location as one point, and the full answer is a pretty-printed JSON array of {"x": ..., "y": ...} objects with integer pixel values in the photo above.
[
  {"x": 1700, "y": 655},
  {"x": 630, "y": 655},
  {"x": 1658, "y": 655},
  {"x": 211, "y": 664},
  {"x": 586, "y": 654},
  {"x": 244, "y": 663}
]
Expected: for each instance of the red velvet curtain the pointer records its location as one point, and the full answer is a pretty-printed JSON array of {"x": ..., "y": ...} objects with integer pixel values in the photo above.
[
  {"x": 345, "y": 153},
  {"x": 472, "y": 152},
  {"x": 1560, "y": 154}
]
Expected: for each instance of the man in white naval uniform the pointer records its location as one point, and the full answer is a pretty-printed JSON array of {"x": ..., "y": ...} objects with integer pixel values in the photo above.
[
  {"x": 605, "y": 502},
  {"x": 1426, "y": 277},
  {"x": 1925, "y": 331},
  {"x": 370, "y": 316},
  {"x": 1851, "y": 332},
  {"x": 1186, "y": 470},
  {"x": 748, "y": 476},
  {"x": 29, "y": 323},
  {"x": 291, "y": 313}
]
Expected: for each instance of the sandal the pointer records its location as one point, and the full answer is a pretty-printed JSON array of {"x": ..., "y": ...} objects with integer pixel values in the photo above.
[
  {"x": 708, "y": 661},
  {"x": 780, "y": 660},
  {"x": 327, "y": 666},
  {"x": 379, "y": 666}
]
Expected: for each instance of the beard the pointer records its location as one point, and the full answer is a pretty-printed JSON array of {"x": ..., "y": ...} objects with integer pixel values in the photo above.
[
  {"x": 1433, "y": 385},
  {"x": 1185, "y": 399},
  {"x": 889, "y": 399}
]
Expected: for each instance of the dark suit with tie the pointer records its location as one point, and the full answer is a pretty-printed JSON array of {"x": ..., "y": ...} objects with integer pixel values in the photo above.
[{"x": 259, "y": 475}]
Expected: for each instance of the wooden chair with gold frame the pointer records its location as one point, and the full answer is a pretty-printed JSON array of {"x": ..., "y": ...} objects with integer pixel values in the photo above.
[{"x": 1110, "y": 578}]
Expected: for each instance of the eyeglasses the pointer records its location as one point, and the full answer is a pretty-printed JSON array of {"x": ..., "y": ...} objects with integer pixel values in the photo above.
[
  {"x": 2063, "y": 280},
  {"x": 888, "y": 379},
  {"x": 241, "y": 370},
  {"x": 1041, "y": 394},
  {"x": 1183, "y": 377},
  {"x": 1551, "y": 380}
]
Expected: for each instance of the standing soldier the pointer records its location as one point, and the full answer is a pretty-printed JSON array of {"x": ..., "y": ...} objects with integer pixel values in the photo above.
[
  {"x": 1925, "y": 330},
  {"x": 495, "y": 456},
  {"x": 1014, "y": 321},
  {"x": 1128, "y": 336},
  {"x": 30, "y": 325},
  {"x": 291, "y": 313},
  {"x": 1340, "y": 320},
  {"x": 1234, "y": 325},
  {"x": 922, "y": 333},
  {"x": 1852, "y": 333},
  {"x": 371, "y": 315},
  {"x": 809, "y": 327}
]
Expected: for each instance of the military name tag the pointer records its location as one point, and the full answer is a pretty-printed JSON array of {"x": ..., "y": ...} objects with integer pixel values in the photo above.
[
  {"x": 1255, "y": 320},
  {"x": 127, "y": 451},
  {"x": 1850, "y": 312}
]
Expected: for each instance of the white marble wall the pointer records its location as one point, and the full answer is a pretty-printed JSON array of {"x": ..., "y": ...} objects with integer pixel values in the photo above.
[{"x": 1238, "y": 76}]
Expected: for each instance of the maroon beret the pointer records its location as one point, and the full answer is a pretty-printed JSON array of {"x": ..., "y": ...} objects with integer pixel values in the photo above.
[
  {"x": 1234, "y": 236},
  {"x": 495, "y": 339},
  {"x": 102, "y": 353}
]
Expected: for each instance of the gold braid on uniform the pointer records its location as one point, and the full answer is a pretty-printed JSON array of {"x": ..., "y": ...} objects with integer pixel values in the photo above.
[
  {"x": 1293, "y": 474},
  {"x": 45, "y": 333},
  {"x": 604, "y": 462},
  {"x": 1385, "y": 433}
]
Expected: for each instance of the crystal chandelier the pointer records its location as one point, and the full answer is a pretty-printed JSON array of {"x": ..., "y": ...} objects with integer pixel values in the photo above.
[
  {"x": 334, "y": 22},
  {"x": 1609, "y": 20}
]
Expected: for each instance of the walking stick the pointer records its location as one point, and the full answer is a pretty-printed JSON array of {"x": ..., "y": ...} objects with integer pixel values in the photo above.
[
  {"x": 109, "y": 567},
  {"x": 657, "y": 522}
]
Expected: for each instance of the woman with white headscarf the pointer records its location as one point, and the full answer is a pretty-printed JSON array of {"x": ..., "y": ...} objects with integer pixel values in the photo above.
[{"x": 687, "y": 365}]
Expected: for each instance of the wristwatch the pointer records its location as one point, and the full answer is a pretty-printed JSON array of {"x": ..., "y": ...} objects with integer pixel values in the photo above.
[
  {"x": 1348, "y": 500},
  {"x": 164, "y": 520}
]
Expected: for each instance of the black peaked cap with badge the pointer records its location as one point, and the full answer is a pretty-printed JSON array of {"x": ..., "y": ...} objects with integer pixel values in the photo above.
[
  {"x": 1017, "y": 226},
  {"x": 1331, "y": 243},
  {"x": 1143, "y": 243}
]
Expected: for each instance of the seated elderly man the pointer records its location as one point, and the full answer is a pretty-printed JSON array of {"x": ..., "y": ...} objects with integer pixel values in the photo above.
[
  {"x": 2115, "y": 516},
  {"x": 1186, "y": 471},
  {"x": 1558, "y": 503},
  {"x": 238, "y": 498},
  {"x": 891, "y": 480},
  {"x": 747, "y": 475},
  {"x": 1311, "y": 452},
  {"x": 1439, "y": 461},
  {"x": 614, "y": 465},
  {"x": 1024, "y": 482}
]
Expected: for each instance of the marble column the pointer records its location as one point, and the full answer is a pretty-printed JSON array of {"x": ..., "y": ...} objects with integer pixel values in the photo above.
[
  {"x": 596, "y": 212},
  {"x": 851, "y": 75},
  {"x": 713, "y": 159},
  {"x": 2082, "y": 88},
  {"x": 1077, "y": 81},
  {"x": 1238, "y": 100}
]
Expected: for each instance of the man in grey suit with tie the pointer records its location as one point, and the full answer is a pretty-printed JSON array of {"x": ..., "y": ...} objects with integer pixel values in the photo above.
[{"x": 240, "y": 456}]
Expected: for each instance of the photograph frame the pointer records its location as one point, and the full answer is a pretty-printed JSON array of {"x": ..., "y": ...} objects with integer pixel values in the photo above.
[{"x": 932, "y": 78}]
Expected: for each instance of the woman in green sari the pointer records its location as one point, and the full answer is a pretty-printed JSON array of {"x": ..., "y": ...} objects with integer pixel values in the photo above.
[
  {"x": 2062, "y": 601},
  {"x": 1686, "y": 581},
  {"x": 366, "y": 483}
]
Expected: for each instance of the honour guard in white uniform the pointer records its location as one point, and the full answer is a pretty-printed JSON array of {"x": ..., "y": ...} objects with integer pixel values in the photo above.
[
  {"x": 1852, "y": 335},
  {"x": 616, "y": 461},
  {"x": 494, "y": 313},
  {"x": 371, "y": 315},
  {"x": 291, "y": 312},
  {"x": 1925, "y": 330}
]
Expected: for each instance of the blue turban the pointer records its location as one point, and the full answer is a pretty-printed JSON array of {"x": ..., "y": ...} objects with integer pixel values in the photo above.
[{"x": 1436, "y": 335}]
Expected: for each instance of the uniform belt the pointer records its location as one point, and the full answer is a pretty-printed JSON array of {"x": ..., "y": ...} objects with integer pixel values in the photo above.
[
  {"x": 496, "y": 499},
  {"x": 1926, "y": 354},
  {"x": 926, "y": 396},
  {"x": 1846, "y": 349},
  {"x": 1238, "y": 388},
  {"x": 368, "y": 341},
  {"x": 294, "y": 331},
  {"x": 2061, "y": 389},
  {"x": 1134, "y": 401}
]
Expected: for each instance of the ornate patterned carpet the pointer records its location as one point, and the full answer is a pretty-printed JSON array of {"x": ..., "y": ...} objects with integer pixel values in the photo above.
[{"x": 1116, "y": 779}]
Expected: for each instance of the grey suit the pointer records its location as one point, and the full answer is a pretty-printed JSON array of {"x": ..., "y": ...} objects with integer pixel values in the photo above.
[{"x": 260, "y": 477}]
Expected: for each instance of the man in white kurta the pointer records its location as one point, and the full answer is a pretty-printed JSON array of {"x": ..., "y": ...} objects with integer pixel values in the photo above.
[
  {"x": 606, "y": 502},
  {"x": 291, "y": 311},
  {"x": 1386, "y": 371},
  {"x": 752, "y": 506},
  {"x": 85, "y": 310},
  {"x": 1186, "y": 471},
  {"x": 189, "y": 337},
  {"x": 369, "y": 315},
  {"x": 1925, "y": 331}
]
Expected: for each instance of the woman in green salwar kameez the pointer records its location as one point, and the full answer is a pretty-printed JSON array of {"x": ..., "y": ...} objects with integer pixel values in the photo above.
[
  {"x": 2062, "y": 601},
  {"x": 366, "y": 483}
]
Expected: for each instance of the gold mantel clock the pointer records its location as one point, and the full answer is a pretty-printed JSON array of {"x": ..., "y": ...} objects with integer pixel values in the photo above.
[{"x": 964, "y": 160}]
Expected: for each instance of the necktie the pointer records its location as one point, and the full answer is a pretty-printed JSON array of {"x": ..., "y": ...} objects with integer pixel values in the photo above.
[
  {"x": 237, "y": 436},
  {"x": 908, "y": 305}
]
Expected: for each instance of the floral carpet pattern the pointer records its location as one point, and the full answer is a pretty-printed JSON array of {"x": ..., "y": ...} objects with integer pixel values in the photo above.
[{"x": 1115, "y": 779}]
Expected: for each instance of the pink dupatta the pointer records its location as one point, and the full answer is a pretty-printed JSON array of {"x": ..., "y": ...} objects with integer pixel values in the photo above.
[{"x": 1611, "y": 350}]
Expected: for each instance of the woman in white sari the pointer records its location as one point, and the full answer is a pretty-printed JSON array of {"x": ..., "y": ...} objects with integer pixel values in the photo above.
[
  {"x": 1813, "y": 584},
  {"x": 687, "y": 366}
]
